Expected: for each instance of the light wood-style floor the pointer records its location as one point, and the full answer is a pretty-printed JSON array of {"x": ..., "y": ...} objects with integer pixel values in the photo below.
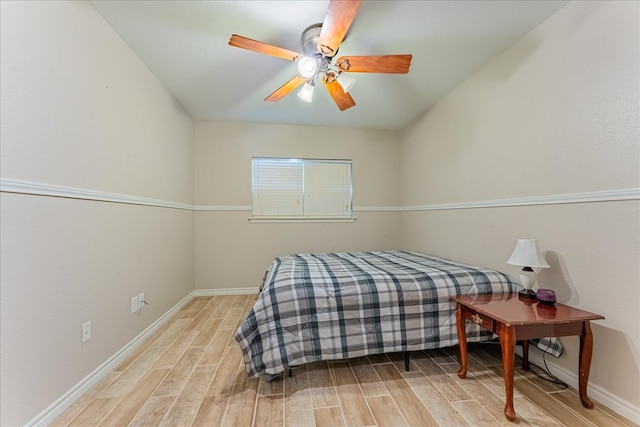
[{"x": 190, "y": 373}]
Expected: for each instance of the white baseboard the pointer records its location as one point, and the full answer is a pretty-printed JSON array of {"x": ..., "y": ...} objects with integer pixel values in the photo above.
[
  {"x": 56, "y": 408},
  {"x": 596, "y": 393},
  {"x": 231, "y": 291}
]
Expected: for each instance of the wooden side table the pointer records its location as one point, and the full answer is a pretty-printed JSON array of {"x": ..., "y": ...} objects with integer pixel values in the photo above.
[{"x": 513, "y": 319}]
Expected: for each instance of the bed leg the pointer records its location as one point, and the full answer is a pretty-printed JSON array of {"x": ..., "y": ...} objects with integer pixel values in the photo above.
[
  {"x": 406, "y": 361},
  {"x": 290, "y": 372}
]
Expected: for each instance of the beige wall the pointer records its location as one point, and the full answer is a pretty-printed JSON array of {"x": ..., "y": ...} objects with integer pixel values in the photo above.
[
  {"x": 232, "y": 252},
  {"x": 556, "y": 114},
  {"x": 79, "y": 109}
]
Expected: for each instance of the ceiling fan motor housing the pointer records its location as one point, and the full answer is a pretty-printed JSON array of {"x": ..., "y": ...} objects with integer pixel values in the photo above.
[{"x": 309, "y": 41}]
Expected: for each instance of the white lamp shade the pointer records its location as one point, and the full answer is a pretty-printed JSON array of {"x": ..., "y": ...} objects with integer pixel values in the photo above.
[
  {"x": 306, "y": 93},
  {"x": 346, "y": 82},
  {"x": 526, "y": 254}
]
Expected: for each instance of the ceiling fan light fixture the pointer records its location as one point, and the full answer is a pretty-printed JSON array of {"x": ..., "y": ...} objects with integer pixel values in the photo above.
[
  {"x": 307, "y": 67},
  {"x": 306, "y": 93},
  {"x": 346, "y": 82}
]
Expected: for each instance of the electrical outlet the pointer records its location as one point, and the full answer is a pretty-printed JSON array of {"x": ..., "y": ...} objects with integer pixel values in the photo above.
[
  {"x": 86, "y": 332},
  {"x": 134, "y": 304},
  {"x": 141, "y": 301}
]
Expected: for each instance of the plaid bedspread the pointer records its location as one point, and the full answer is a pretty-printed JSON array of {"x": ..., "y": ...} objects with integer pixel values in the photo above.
[{"x": 343, "y": 305}]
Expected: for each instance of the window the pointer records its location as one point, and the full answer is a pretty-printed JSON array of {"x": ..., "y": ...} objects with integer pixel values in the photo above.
[{"x": 295, "y": 189}]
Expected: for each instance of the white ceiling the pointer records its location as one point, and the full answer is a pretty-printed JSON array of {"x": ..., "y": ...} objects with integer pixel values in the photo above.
[{"x": 185, "y": 44}]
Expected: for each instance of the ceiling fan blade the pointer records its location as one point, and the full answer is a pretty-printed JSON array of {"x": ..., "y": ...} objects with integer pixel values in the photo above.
[
  {"x": 393, "y": 64},
  {"x": 285, "y": 89},
  {"x": 260, "y": 47},
  {"x": 343, "y": 100},
  {"x": 336, "y": 23}
]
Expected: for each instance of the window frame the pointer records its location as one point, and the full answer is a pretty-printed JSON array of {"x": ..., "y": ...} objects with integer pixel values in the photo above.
[{"x": 347, "y": 217}]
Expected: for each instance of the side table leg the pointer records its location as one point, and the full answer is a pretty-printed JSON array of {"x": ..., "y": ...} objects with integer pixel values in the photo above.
[
  {"x": 462, "y": 342},
  {"x": 525, "y": 355},
  {"x": 508, "y": 343},
  {"x": 586, "y": 350}
]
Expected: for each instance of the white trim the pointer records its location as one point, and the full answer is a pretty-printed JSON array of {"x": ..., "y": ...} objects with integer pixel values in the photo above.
[
  {"x": 301, "y": 219},
  {"x": 228, "y": 291},
  {"x": 56, "y": 408},
  {"x": 378, "y": 209},
  {"x": 596, "y": 392},
  {"x": 34, "y": 188},
  {"x": 588, "y": 197},
  {"x": 222, "y": 208}
]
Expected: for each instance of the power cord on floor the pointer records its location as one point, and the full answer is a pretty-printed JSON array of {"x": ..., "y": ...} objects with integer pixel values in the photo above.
[{"x": 546, "y": 375}]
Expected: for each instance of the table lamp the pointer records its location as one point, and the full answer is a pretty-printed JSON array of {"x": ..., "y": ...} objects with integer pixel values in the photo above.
[{"x": 527, "y": 255}]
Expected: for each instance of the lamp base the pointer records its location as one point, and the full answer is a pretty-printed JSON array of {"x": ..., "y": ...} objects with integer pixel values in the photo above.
[{"x": 527, "y": 293}]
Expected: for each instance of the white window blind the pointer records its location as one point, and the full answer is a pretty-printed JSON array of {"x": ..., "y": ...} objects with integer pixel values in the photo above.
[{"x": 301, "y": 188}]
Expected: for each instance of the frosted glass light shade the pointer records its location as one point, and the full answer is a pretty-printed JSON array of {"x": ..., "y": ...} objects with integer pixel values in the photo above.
[
  {"x": 346, "y": 82},
  {"x": 307, "y": 67},
  {"x": 306, "y": 93}
]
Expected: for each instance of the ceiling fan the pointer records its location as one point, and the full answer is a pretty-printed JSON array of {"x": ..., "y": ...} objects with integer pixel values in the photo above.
[{"x": 320, "y": 43}]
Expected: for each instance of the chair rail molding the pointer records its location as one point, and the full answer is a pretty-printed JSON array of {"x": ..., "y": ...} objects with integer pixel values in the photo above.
[{"x": 50, "y": 190}]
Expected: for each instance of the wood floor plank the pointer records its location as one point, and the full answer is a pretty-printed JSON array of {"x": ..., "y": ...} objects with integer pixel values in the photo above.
[
  {"x": 534, "y": 414},
  {"x": 329, "y": 417},
  {"x": 440, "y": 408},
  {"x": 152, "y": 412},
  {"x": 189, "y": 400},
  {"x": 438, "y": 355},
  {"x": 550, "y": 405},
  {"x": 73, "y": 411},
  {"x": 412, "y": 409},
  {"x": 214, "y": 351},
  {"x": 212, "y": 411},
  {"x": 131, "y": 403},
  {"x": 141, "y": 349},
  {"x": 134, "y": 373},
  {"x": 180, "y": 373},
  {"x": 298, "y": 406},
  {"x": 199, "y": 321},
  {"x": 596, "y": 415},
  {"x": 226, "y": 372},
  {"x": 475, "y": 414},
  {"x": 173, "y": 353},
  {"x": 490, "y": 401},
  {"x": 323, "y": 391},
  {"x": 385, "y": 412},
  {"x": 96, "y": 411},
  {"x": 172, "y": 332},
  {"x": 242, "y": 407},
  {"x": 270, "y": 411},
  {"x": 354, "y": 406},
  {"x": 221, "y": 310},
  {"x": 370, "y": 382},
  {"x": 194, "y": 309},
  {"x": 276, "y": 386},
  {"x": 206, "y": 333},
  {"x": 231, "y": 318}
]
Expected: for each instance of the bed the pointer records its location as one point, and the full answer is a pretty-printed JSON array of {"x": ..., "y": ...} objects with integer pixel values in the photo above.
[{"x": 331, "y": 306}]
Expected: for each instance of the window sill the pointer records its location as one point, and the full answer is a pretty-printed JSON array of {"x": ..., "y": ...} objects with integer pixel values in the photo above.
[{"x": 298, "y": 219}]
